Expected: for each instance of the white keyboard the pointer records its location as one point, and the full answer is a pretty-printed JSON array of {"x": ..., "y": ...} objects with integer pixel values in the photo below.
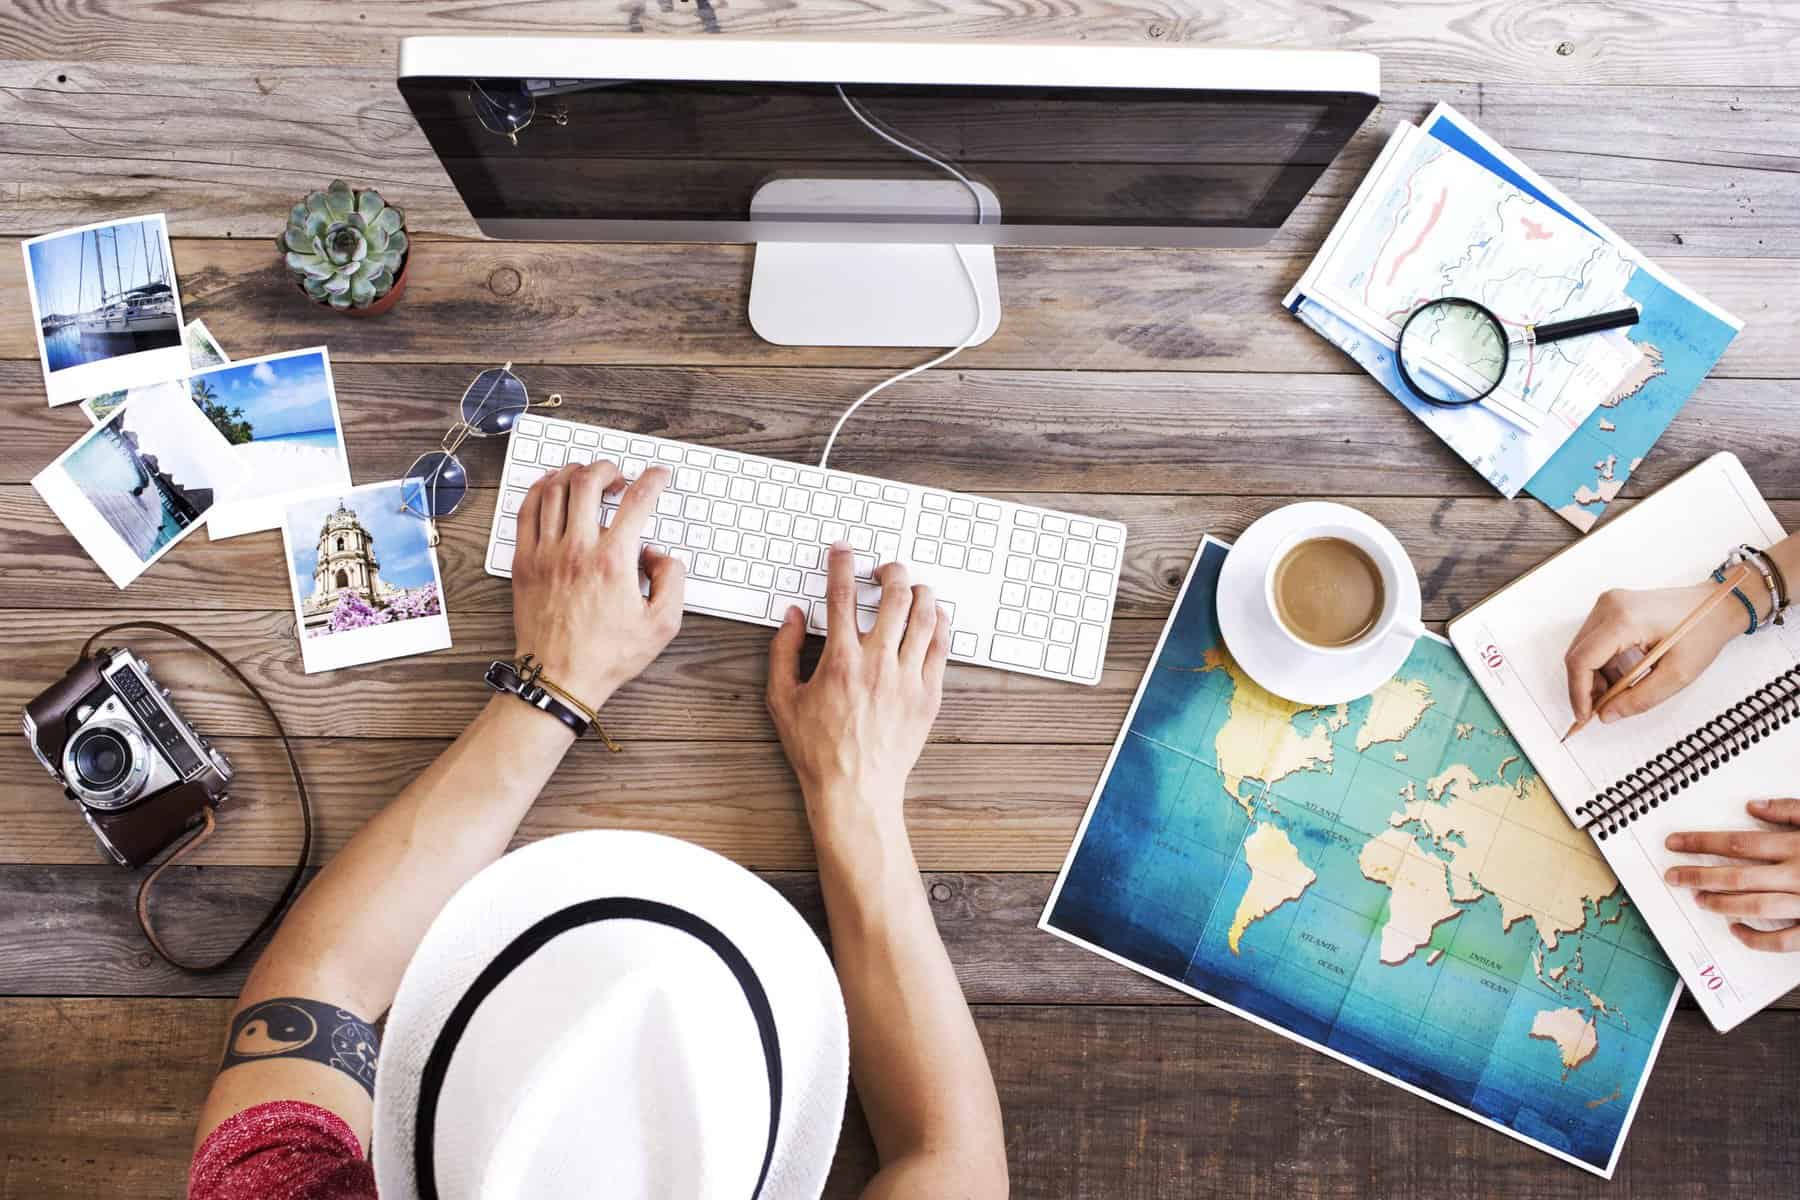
[{"x": 1026, "y": 589}]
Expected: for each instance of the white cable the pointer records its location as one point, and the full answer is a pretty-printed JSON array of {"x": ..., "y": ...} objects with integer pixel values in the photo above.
[{"x": 961, "y": 258}]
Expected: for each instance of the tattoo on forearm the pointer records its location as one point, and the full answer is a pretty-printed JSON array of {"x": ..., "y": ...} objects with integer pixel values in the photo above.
[{"x": 295, "y": 1027}]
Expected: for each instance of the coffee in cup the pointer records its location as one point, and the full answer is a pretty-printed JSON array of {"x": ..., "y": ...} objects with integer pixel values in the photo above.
[{"x": 1328, "y": 591}]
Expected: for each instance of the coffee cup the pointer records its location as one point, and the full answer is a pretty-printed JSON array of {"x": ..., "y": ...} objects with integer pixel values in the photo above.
[{"x": 1335, "y": 587}]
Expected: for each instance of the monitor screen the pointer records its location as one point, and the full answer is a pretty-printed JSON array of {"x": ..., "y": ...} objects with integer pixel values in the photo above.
[{"x": 624, "y": 158}]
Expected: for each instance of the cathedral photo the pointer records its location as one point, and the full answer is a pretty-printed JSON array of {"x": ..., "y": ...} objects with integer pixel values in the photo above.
[{"x": 359, "y": 561}]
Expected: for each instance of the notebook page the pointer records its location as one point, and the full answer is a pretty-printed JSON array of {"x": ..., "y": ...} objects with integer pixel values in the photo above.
[
  {"x": 1730, "y": 980},
  {"x": 1515, "y": 642}
]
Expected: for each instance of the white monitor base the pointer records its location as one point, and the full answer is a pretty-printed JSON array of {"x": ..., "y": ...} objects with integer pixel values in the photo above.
[{"x": 871, "y": 293}]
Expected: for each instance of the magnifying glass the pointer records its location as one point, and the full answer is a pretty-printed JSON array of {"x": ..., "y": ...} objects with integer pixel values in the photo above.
[{"x": 1454, "y": 352}]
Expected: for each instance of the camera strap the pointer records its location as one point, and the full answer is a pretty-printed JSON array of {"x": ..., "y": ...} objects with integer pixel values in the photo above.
[{"x": 205, "y": 831}]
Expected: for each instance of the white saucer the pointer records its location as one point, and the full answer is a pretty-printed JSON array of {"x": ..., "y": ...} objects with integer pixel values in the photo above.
[{"x": 1265, "y": 653}]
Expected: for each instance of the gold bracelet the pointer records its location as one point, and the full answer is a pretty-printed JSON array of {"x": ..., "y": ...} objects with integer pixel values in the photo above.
[{"x": 532, "y": 673}]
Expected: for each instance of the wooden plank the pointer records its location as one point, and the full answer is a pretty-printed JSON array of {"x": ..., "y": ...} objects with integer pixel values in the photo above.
[
  {"x": 986, "y": 431},
  {"x": 1475, "y": 40},
  {"x": 1463, "y": 549},
  {"x": 1680, "y": 171},
  {"x": 1094, "y": 309},
  {"x": 708, "y": 686},
  {"x": 98, "y": 1098},
  {"x": 985, "y": 808},
  {"x": 72, "y": 931}
]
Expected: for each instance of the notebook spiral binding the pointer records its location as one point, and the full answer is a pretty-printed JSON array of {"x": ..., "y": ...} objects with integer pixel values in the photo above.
[{"x": 1693, "y": 757}]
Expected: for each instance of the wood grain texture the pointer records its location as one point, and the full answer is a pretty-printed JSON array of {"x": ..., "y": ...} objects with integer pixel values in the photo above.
[
  {"x": 1093, "y": 309},
  {"x": 72, "y": 931},
  {"x": 1119, "y": 432},
  {"x": 988, "y": 808},
  {"x": 1679, "y": 171},
  {"x": 98, "y": 1096},
  {"x": 1533, "y": 41},
  {"x": 1463, "y": 550}
]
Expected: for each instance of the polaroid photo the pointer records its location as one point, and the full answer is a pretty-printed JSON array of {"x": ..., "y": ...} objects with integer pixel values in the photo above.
[
  {"x": 107, "y": 308},
  {"x": 203, "y": 352},
  {"x": 280, "y": 414},
  {"x": 137, "y": 484},
  {"x": 364, "y": 576}
]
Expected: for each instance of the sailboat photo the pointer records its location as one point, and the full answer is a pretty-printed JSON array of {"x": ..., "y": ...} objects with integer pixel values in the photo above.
[{"x": 103, "y": 292}]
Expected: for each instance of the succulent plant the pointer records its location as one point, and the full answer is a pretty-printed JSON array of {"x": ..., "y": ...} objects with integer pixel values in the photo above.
[{"x": 345, "y": 247}]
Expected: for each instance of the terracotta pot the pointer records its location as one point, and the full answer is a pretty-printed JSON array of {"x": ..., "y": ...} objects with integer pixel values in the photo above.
[{"x": 380, "y": 306}]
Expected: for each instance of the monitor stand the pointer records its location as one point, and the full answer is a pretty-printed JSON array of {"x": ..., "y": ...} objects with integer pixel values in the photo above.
[{"x": 870, "y": 293}]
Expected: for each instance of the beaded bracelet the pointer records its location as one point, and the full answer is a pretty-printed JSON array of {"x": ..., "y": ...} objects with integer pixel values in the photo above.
[{"x": 1718, "y": 576}]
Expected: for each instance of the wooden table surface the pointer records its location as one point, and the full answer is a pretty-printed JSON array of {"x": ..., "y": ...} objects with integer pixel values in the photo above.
[{"x": 1165, "y": 388}]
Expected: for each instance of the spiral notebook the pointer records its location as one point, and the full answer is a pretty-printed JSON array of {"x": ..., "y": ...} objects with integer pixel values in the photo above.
[{"x": 1730, "y": 736}]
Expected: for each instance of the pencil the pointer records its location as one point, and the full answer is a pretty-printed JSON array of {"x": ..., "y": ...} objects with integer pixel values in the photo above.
[{"x": 1636, "y": 675}]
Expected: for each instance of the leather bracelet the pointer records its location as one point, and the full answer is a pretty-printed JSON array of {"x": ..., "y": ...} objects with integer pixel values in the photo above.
[
  {"x": 502, "y": 676},
  {"x": 1778, "y": 584}
]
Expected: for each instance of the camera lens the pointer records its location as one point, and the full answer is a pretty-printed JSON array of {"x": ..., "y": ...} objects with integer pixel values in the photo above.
[{"x": 101, "y": 758}]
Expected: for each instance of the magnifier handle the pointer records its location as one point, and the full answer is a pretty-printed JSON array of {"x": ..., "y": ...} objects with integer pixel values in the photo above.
[{"x": 1556, "y": 331}]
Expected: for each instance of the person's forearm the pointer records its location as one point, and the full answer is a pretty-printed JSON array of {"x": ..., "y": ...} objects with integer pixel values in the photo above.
[
  {"x": 353, "y": 930},
  {"x": 919, "y": 1066}
]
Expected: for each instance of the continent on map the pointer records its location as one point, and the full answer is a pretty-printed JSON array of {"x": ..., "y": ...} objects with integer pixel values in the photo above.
[
  {"x": 1258, "y": 739},
  {"x": 1394, "y": 711},
  {"x": 1421, "y": 897},
  {"x": 1643, "y": 371},
  {"x": 1276, "y": 876},
  {"x": 1574, "y": 1033}
]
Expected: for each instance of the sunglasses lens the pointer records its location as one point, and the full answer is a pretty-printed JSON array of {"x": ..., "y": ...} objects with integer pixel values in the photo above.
[
  {"x": 435, "y": 484},
  {"x": 502, "y": 106},
  {"x": 494, "y": 401}
]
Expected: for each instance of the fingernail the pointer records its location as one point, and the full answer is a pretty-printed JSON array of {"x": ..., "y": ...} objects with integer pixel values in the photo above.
[
  {"x": 1672, "y": 876},
  {"x": 1675, "y": 841},
  {"x": 1608, "y": 717},
  {"x": 840, "y": 547},
  {"x": 1761, "y": 805},
  {"x": 793, "y": 614}
]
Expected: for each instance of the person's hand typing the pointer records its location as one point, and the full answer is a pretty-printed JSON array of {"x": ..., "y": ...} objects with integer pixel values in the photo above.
[
  {"x": 1763, "y": 884},
  {"x": 854, "y": 730},
  {"x": 1625, "y": 620},
  {"x": 576, "y": 603}
]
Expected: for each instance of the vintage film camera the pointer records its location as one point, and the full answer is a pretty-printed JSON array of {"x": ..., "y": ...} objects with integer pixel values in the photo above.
[{"x": 140, "y": 774}]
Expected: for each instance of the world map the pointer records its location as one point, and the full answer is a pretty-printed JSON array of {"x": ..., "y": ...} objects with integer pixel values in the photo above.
[{"x": 1385, "y": 879}]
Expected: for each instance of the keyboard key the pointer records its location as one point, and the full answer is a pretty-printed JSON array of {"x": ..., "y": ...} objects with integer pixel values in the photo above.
[
  {"x": 1016, "y": 652},
  {"x": 724, "y": 512},
  {"x": 750, "y": 519},
  {"x": 815, "y": 586},
  {"x": 669, "y": 504},
  {"x": 1099, "y": 582},
  {"x": 667, "y": 453},
  {"x": 699, "y": 458},
  {"x": 640, "y": 446},
  {"x": 1026, "y": 518},
  {"x": 1012, "y": 594},
  {"x": 782, "y": 474},
  {"x": 610, "y": 441},
  {"x": 687, "y": 479},
  {"x": 524, "y": 449},
  {"x": 839, "y": 484},
  {"x": 935, "y": 500},
  {"x": 754, "y": 545},
  {"x": 1007, "y": 620},
  {"x": 581, "y": 457},
  {"x": 1093, "y": 608},
  {"x": 861, "y": 538},
  {"x": 738, "y": 571},
  {"x": 924, "y": 551},
  {"x": 1076, "y": 552},
  {"x": 1106, "y": 557},
  {"x": 1062, "y": 631},
  {"x": 957, "y": 529},
  {"x": 794, "y": 500},
  {"x": 987, "y": 510},
  {"x": 1055, "y": 524},
  {"x": 530, "y": 425},
  {"x": 1057, "y": 659},
  {"x": 511, "y": 500},
  {"x": 1082, "y": 528},
  {"x": 706, "y": 566},
  {"x": 787, "y": 579},
  {"x": 963, "y": 642},
  {"x": 1039, "y": 600},
  {"x": 868, "y": 595},
  {"x": 1018, "y": 567},
  {"x": 886, "y": 516},
  {"x": 507, "y": 529},
  {"x": 556, "y": 432},
  {"x": 806, "y": 529},
  {"x": 895, "y": 493},
  {"x": 865, "y": 566},
  {"x": 1070, "y": 577},
  {"x": 986, "y": 534},
  {"x": 742, "y": 490},
  {"x": 1111, "y": 533},
  {"x": 1037, "y": 625},
  {"x": 553, "y": 455},
  {"x": 961, "y": 507},
  {"x": 523, "y": 477},
  {"x": 762, "y": 575},
  {"x": 852, "y": 509},
  {"x": 887, "y": 546},
  {"x": 807, "y": 556},
  {"x": 867, "y": 490},
  {"x": 812, "y": 479},
  {"x": 754, "y": 467},
  {"x": 500, "y": 554},
  {"x": 1023, "y": 542},
  {"x": 931, "y": 525},
  {"x": 781, "y": 551},
  {"x": 780, "y": 524},
  {"x": 1087, "y": 651},
  {"x": 715, "y": 485},
  {"x": 824, "y": 504},
  {"x": 816, "y": 619},
  {"x": 1049, "y": 545},
  {"x": 1068, "y": 604},
  {"x": 953, "y": 556},
  {"x": 725, "y": 541},
  {"x": 981, "y": 561},
  {"x": 726, "y": 597},
  {"x": 833, "y": 531},
  {"x": 727, "y": 462},
  {"x": 699, "y": 536},
  {"x": 1043, "y": 572},
  {"x": 694, "y": 508},
  {"x": 768, "y": 495},
  {"x": 634, "y": 467},
  {"x": 670, "y": 530}
]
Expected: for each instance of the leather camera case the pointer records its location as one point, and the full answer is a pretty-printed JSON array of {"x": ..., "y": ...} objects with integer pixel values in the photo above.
[{"x": 143, "y": 831}]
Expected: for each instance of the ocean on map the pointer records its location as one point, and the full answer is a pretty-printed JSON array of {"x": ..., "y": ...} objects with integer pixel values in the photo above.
[{"x": 1384, "y": 879}]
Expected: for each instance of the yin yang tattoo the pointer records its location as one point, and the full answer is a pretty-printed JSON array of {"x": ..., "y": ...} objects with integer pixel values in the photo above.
[{"x": 296, "y": 1027}]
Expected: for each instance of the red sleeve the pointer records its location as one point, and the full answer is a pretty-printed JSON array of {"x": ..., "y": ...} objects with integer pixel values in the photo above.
[{"x": 283, "y": 1150}]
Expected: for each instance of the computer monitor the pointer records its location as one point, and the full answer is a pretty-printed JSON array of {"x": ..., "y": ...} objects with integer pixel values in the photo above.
[{"x": 877, "y": 176}]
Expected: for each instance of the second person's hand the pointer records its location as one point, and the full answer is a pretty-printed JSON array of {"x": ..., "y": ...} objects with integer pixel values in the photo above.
[
  {"x": 1636, "y": 620},
  {"x": 576, "y": 602}
]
